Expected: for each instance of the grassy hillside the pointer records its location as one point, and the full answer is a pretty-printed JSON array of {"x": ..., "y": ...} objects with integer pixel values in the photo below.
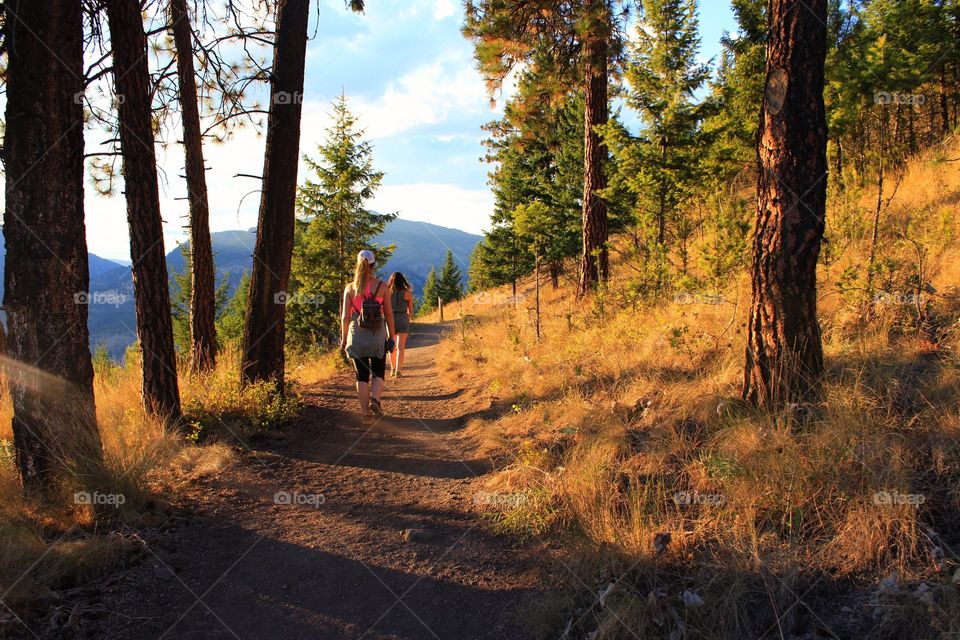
[{"x": 687, "y": 513}]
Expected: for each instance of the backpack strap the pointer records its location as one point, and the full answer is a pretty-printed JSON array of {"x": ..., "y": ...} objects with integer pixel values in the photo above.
[{"x": 358, "y": 298}]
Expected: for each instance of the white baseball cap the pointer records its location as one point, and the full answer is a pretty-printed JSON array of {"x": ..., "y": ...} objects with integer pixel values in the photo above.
[{"x": 367, "y": 255}]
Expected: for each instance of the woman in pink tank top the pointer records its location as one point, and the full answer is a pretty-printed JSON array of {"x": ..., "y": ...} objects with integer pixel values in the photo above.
[{"x": 365, "y": 318}]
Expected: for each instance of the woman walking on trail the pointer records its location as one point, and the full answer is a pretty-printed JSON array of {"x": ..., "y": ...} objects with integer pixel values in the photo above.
[
  {"x": 401, "y": 299},
  {"x": 366, "y": 314}
]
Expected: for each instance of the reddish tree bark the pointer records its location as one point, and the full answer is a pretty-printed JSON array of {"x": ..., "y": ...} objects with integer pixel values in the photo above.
[
  {"x": 46, "y": 279},
  {"x": 161, "y": 395},
  {"x": 264, "y": 331},
  {"x": 784, "y": 360},
  {"x": 203, "y": 332},
  {"x": 594, "y": 264}
]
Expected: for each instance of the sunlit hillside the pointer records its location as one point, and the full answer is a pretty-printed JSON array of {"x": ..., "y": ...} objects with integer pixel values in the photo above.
[{"x": 621, "y": 431}]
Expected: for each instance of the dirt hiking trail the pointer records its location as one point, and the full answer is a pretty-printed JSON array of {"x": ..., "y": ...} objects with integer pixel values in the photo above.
[{"x": 234, "y": 564}]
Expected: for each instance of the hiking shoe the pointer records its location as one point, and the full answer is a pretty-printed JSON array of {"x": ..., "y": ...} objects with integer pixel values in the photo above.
[
  {"x": 375, "y": 407},
  {"x": 397, "y": 374}
]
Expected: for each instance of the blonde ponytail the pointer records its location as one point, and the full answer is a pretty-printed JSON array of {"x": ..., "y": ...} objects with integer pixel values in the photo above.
[{"x": 361, "y": 275}]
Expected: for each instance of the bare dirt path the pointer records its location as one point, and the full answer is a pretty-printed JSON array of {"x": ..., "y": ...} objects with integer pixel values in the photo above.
[{"x": 238, "y": 565}]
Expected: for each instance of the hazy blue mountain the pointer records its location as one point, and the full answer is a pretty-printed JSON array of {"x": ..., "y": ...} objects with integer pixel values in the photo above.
[
  {"x": 113, "y": 324},
  {"x": 98, "y": 265},
  {"x": 421, "y": 246}
]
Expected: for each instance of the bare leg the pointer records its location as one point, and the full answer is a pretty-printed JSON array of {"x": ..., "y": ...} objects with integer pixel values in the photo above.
[
  {"x": 391, "y": 360},
  {"x": 401, "y": 348},
  {"x": 363, "y": 392},
  {"x": 377, "y": 387}
]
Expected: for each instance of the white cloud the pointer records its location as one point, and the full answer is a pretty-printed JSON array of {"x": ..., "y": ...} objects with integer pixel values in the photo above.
[
  {"x": 427, "y": 95},
  {"x": 437, "y": 92},
  {"x": 443, "y": 9},
  {"x": 234, "y": 201},
  {"x": 442, "y": 204}
]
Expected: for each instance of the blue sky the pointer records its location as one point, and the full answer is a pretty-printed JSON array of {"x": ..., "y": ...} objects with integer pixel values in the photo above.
[{"x": 409, "y": 76}]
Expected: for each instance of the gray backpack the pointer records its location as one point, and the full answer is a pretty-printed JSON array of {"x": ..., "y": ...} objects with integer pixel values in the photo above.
[{"x": 371, "y": 312}]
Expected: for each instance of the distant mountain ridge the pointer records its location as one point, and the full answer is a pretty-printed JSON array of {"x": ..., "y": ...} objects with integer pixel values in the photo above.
[{"x": 420, "y": 246}]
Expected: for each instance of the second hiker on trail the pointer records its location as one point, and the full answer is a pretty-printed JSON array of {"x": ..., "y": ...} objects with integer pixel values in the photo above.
[
  {"x": 401, "y": 299},
  {"x": 367, "y": 314}
]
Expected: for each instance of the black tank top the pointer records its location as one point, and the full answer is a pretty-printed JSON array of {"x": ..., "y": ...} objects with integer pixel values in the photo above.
[{"x": 399, "y": 303}]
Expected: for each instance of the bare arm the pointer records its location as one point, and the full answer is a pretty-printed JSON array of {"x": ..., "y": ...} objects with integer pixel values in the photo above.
[
  {"x": 388, "y": 312},
  {"x": 410, "y": 302},
  {"x": 345, "y": 316}
]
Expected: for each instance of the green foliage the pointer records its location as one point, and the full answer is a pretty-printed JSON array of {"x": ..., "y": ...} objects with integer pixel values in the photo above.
[
  {"x": 230, "y": 322},
  {"x": 180, "y": 292},
  {"x": 333, "y": 225},
  {"x": 724, "y": 252},
  {"x": 543, "y": 36},
  {"x": 431, "y": 292},
  {"x": 450, "y": 281},
  {"x": 104, "y": 367},
  {"x": 446, "y": 286},
  {"x": 538, "y": 145},
  {"x": 537, "y": 153},
  {"x": 663, "y": 166},
  {"x": 737, "y": 91},
  {"x": 534, "y": 222},
  {"x": 239, "y": 409},
  {"x": 676, "y": 180}
]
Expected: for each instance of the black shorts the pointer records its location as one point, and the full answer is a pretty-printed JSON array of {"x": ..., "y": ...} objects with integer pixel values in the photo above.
[{"x": 364, "y": 366}]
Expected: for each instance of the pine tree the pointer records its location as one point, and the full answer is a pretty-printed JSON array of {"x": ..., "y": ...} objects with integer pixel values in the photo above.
[
  {"x": 662, "y": 166},
  {"x": 333, "y": 226},
  {"x": 264, "y": 325},
  {"x": 500, "y": 258},
  {"x": 565, "y": 191},
  {"x": 431, "y": 292},
  {"x": 784, "y": 357},
  {"x": 161, "y": 393},
  {"x": 230, "y": 321},
  {"x": 568, "y": 43},
  {"x": 537, "y": 152},
  {"x": 450, "y": 281},
  {"x": 181, "y": 299},
  {"x": 47, "y": 278},
  {"x": 738, "y": 89},
  {"x": 202, "y": 309}
]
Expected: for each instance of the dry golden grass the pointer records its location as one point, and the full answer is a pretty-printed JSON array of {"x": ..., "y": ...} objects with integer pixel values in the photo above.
[
  {"x": 623, "y": 423},
  {"x": 314, "y": 367},
  {"x": 54, "y": 545}
]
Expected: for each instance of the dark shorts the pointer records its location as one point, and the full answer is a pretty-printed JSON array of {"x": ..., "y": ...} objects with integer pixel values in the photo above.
[
  {"x": 401, "y": 322},
  {"x": 366, "y": 366}
]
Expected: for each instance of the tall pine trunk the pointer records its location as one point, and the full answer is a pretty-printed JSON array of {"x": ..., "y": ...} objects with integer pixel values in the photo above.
[
  {"x": 838, "y": 163},
  {"x": 46, "y": 279},
  {"x": 944, "y": 108},
  {"x": 264, "y": 331},
  {"x": 784, "y": 359},
  {"x": 203, "y": 332},
  {"x": 594, "y": 262},
  {"x": 161, "y": 394},
  {"x": 662, "y": 207},
  {"x": 556, "y": 266}
]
